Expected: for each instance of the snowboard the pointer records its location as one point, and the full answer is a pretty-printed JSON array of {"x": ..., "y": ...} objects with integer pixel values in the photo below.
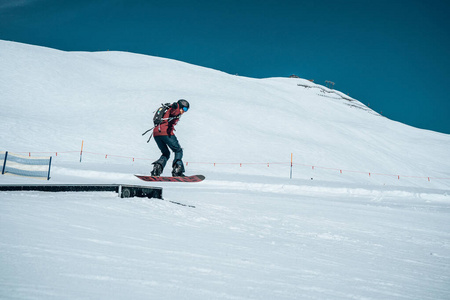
[{"x": 193, "y": 178}]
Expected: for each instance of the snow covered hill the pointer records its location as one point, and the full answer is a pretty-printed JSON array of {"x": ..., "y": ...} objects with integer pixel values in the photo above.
[
  {"x": 52, "y": 100},
  {"x": 331, "y": 232}
]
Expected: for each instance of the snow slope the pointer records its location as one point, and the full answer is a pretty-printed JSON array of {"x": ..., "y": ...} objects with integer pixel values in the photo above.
[
  {"x": 254, "y": 233},
  {"x": 108, "y": 99}
]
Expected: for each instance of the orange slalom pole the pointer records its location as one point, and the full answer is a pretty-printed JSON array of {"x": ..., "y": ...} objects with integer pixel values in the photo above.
[
  {"x": 291, "y": 167},
  {"x": 81, "y": 152}
]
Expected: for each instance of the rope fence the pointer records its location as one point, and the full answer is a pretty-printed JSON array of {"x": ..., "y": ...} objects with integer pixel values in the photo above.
[{"x": 241, "y": 164}]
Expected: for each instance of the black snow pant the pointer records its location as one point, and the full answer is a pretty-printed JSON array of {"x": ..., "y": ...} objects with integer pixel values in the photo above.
[{"x": 164, "y": 144}]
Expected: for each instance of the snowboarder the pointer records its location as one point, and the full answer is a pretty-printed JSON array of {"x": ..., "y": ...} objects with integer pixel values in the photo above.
[{"x": 165, "y": 139}]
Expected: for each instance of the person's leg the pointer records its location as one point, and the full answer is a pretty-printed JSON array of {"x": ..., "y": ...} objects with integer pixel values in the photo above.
[
  {"x": 158, "y": 166},
  {"x": 174, "y": 145}
]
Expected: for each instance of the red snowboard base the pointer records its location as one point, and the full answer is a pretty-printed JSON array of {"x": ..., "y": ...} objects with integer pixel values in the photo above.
[{"x": 193, "y": 178}]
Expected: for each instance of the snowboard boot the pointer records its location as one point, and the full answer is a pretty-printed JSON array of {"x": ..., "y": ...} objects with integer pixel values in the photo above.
[
  {"x": 178, "y": 171},
  {"x": 157, "y": 169}
]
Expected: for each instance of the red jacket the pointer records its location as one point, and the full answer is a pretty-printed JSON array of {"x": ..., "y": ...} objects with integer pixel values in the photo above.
[{"x": 167, "y": 126}]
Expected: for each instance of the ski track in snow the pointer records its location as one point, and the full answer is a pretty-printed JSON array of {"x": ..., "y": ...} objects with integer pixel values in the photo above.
[{"x": 243, "y": 240}]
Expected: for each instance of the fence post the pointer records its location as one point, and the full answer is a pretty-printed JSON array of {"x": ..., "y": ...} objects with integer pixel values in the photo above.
[
  {"x": 81, "y": 152},
  {"x": 49, "y": 166},
  {"x": 4, "y": 162},
  {"x": 291, "y": 167}
]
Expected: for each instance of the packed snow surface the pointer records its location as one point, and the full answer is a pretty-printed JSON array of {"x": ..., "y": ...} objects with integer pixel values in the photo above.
[{"x": 366, "y": 214}]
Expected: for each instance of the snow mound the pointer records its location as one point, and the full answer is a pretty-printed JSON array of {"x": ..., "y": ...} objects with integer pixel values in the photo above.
[{"x": 52, "y": 100}]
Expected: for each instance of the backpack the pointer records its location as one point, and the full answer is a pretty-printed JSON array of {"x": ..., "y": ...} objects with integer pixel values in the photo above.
[
  {"x": 159, "y": 114},
  {"x": 158, "y": 118}
]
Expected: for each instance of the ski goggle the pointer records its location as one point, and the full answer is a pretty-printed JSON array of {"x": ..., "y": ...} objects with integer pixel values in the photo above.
[{"x": 185, "y": 109}]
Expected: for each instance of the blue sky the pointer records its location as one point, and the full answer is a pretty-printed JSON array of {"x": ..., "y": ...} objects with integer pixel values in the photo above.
[{"x": 390, "y": 55}]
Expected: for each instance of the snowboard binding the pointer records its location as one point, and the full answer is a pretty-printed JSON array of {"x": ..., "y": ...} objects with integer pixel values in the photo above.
[{"x": 157, "y": 169}]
